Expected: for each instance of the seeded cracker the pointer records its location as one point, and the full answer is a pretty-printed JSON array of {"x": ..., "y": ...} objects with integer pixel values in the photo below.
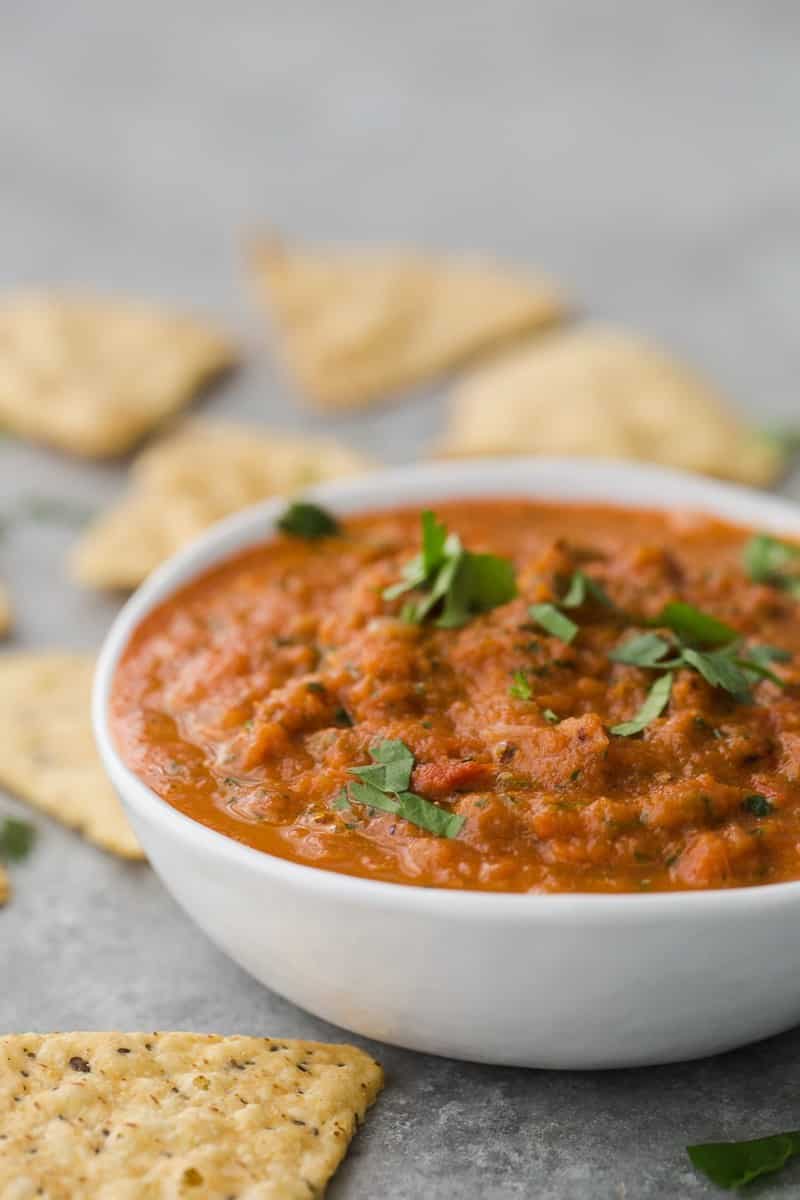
[
  {"x": 138, "y": 1116},
  {"x": 354, "y": 325},
  {"x": 194, "y": 476},
  {"x": 603, "y": 392},
  {"x": 91, "y": 376},
  {"x": 47, "y": 751}
]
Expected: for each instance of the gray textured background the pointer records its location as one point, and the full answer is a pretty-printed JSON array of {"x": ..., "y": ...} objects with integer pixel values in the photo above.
[{"x": 644, "y": 154}]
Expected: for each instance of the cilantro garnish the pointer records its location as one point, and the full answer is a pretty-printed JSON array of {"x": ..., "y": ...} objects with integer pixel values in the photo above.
[
  {"x": 384, "y": 783},
  {"x": 699, "y": 642},
  {"x": 520, "y": 689},
  {"x": 16, "y": 839},
  {"x": 769, "y": 560},
  {"x": 758, "y": 805},
  {"x": 551, "y": 717},
  {"x": 553, "y": 622},
  {"x": 306, "y": 520},
  {"x": 581, "y": 588},
  {"x": 733, "y": 1164},
  {"x": 455, "y": 583},
  {"x": 657, "y": 700}
]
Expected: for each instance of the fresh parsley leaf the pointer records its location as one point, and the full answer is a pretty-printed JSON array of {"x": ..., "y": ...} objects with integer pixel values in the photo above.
[
  {"x": 458, "y": 584},
  {"x": 695, "y": 627},
  {"x": 758, "y": 805},
  {"x": 554, "y": 622},
  {"x": 306, "y": 520},
  {"x": 550, "y": 716},
  {"x": 721, "y": 671},
  {"x": 582, "y": 587},
  {"x": 420, "y": 811},
  {"x": 657, "y": 700},
  {"x": 340, "y": 800},
  {"x": 520, "y": 689},
  {"x": 16, "y": 839},
  {"x": 645, "y": 650},
  {"x": 384, "y": 785},
  {"x": 394, "y": 763},
  {"x": 733, "y": 1164},
  {"x": 769, "y": 560}
]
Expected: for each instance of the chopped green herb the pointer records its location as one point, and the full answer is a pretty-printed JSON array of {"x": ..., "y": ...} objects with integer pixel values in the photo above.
[
  {"x": 16, "y": 839},
  {"x": 582, "y": 587},
  {"x": 758, "y": 805},
  {"x": 720, "y": 670},
  {"x": 645, "y": 650},
  {"x": 456, "y": 583},
  {"x": 657, "y": 700},
  {"x": 553, "y": 622},
  {"x": 342, "y": 717},
  {"x": 520, "y": 689},
  {"x": 694, "y": 627},
  {"x": 383, "y": 785},
  {"x": 550, "y": 716},
  {"x": 340, "y": 800},
  {"x": 316, "y": 687},
  {"x": 769, "y": 560},
  {"x": 733, "y": 1164},
  {"x": 306, "y": 520}
]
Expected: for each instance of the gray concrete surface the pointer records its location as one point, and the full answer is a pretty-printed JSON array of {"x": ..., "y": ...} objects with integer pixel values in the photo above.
[{"x": 644, "y": 154}]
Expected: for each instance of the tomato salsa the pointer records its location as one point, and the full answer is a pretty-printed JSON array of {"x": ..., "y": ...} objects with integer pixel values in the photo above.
[{"x": 507, "y": 696}]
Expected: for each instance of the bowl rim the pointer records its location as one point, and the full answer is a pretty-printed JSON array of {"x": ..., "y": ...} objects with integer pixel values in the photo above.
[{"x": 572, "y": 480}]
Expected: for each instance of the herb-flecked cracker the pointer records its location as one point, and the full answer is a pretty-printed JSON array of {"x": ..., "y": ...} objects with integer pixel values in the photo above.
[
  {"x": 356, "y": 324},
  {"x": 603, "y": 392},
  {"x": 47, "y": 751},
  {"x": 199, "y": 473},
  {"x": 156, "y": 1116},
  {"x": 91, "y": 376}
]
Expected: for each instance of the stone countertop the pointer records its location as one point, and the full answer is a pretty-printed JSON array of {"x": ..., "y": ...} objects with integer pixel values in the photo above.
[{"x": 642, "y": 155}]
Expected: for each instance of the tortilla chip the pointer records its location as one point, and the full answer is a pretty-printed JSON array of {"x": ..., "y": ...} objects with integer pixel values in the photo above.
[
  {"x": 5, "y": 612},
  {"x": 597, "y": 391},
  {"x": 92, "y": 376},
  {"x": 134, "y": 1115},
  {"x": 47, "y": 750},
  {"x": 189, "y": 480},
  {"x": 354, "y": 325}
]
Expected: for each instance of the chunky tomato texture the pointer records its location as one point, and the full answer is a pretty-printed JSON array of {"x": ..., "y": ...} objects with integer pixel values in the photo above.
[{"x": 246, "y": 697}]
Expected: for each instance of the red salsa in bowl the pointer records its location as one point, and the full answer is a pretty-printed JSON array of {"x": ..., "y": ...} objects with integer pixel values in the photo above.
[{"x": 506, "y": 695}]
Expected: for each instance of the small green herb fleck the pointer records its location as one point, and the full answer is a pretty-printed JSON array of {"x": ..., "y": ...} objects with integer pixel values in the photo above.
[
  {"x": 520, "y": 689},
  {"x": 758, "y": 805},
  {"x": 645, "y": 650},
  {"x": 16, "y": 839},
  {"x": 342, "y": 717},
  {"x": 550, "y": 716},
  {"x": 340, "y": 801},
  {"x": 316, "y": 687},
  {"x": 306, "y": 520},
  {"x": 553, "y": 622}
]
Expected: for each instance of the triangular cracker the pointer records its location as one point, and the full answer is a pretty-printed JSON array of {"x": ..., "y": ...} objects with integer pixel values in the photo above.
[
  {"x": 144, "y": 1116},
  {"x": 193, "y": 477},
  {"x": 603, "y": 392},
  {"x": 91, "y": 376},
  {"x": 354, "y": 325},
  {"x": 47, "y": 751}
]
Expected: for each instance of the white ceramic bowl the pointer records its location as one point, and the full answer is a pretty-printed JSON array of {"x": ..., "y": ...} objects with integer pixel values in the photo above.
[{"x": 532, "y": 980}]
